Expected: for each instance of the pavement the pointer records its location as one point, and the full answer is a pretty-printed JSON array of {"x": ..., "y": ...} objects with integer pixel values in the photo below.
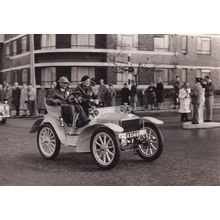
[{"x": 190, "y": 157}]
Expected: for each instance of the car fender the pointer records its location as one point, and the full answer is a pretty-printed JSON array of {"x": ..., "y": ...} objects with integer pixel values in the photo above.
[
  {"x": 58, "y": 129},
  {"x": 153, "y": 120},
  {"x": 83, "y": 143}
]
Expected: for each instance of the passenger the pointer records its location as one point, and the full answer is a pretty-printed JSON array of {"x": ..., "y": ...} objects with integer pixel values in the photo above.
[
  {"x": 59, "y": 96},
  {"x": 86, "y": 92}
]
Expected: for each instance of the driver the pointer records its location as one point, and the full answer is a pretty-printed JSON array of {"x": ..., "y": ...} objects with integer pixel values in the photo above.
[{"x": 59, "y": 96}]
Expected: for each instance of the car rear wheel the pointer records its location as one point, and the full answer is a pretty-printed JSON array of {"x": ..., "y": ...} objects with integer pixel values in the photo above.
[
  {"x": 47, "y": 141},
  {"x": 151, "y": 146},
  {"x": 105, "y": 148}
]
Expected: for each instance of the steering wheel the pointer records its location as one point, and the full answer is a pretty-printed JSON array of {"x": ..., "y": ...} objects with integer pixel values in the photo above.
[{"x": 74, "y": 98}]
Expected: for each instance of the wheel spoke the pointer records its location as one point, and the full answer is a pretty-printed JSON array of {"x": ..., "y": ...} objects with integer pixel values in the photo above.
[
  {"x": 110, "y": 152},
  {"x": 107, "y": 155},
  {"x": 98, "y": 144},
  {"x": 101, "y": 140}
]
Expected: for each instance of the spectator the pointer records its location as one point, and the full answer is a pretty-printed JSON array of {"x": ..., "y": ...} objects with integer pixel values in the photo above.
[
  {"x": 32, "y": 99},
  {"x": 102, "y": 92},
  {"x": 125, "y": 94},
  {"x": 94, "y": 87},
  {"x": 133, "y": 95},
  {"x": 8, "y": 93},
  {"x": 185, "y": 101},
  {"x": 16, "y": 93},
  {"x": 24, "y": 99},
  {"x": 159, "y": 93},
  {"x": 108, "y": 97},
  {"x": 145, "y": 99},
  {"x": 197, "y": 97},
  {"x": 2, "y": 93},
  {"x": 209, "y": 98},
  {"x": 176, "y": 86},
  {"x": 113, "y": 94},
  {"x": 41, "y": 100},
  {"x": 141, "y": 98},
  {"x": 151, "y": 95}
]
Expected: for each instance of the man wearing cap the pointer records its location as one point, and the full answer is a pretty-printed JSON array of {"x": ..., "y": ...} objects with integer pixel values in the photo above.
[{"x": 59, "y": 94}]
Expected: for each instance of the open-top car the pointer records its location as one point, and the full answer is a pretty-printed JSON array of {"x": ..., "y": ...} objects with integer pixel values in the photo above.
[
  {"x": 4, "y": 112},
  {"x": 110, "y": 131}
]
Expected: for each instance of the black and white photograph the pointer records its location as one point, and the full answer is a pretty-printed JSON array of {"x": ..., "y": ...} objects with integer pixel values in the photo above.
[
  {"x": 145, "y": 107},
  {"x": 109, "y": 110}
]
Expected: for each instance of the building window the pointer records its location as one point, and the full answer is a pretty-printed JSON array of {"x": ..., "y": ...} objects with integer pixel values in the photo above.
[
  {"x": 14, "y": 48},
  {"x": 184, "y": 44},
  {"x": 163, "y": 74},
  {"x": 128, "y": 41},
  {"x": 24, "y": 76},
  {"x": 203, "y": 45},
  {"x": 24, "y": 44},
  {"x": 78, "y": 72},
  {"x": 161, "y": 42},
  {"x": 48, "y": 41},
  {"x": 83, "y": 40},
  {"x": 183, "y": 75},
  {"x": 7, "y": 50},
  {"x": 203, "y": 72},
  {"x": 48, "y": 75}
]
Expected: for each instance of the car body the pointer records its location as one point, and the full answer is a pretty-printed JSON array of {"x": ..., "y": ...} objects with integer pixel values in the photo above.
[
  {"x": 4, "y": 112},
  {"x": 110, "y": 131}
]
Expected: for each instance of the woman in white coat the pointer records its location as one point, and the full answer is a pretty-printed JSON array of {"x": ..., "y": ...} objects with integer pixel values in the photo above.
[
  {"x": 185, "y": 101},
  {"x": 24, "y": 99}
]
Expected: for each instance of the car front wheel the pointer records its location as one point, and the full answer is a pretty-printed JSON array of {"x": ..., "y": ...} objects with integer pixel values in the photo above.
[
  {"x": 151, "y": 145},
  {"x": 105, "y": 148},
  {"x": 47, "y": 141}
]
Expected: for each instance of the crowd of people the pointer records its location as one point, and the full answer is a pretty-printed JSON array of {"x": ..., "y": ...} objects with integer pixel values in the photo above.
[
  {"x": 201, "y": 93},
  {"x": 24, "y": 99},
  {"x": 28, "y": 99}
]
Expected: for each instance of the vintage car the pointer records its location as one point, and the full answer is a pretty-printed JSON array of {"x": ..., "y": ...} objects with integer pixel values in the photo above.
[
  {"x": 4, "y": 112},
  {"x": 111, "y": 130}
]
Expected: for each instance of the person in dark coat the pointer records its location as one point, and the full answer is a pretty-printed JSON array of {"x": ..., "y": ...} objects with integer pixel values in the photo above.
[
  {"x": 2, "y": 93},
  {"x": 151, "y": 95},
  {"x": 176, "y": 87},
  {"x": 159, "y": 91},
  {"x": 40, "y": 100},
  {"x": 125, "y": 94},
  {"x": 16, "y": 94},
  {"x": 86, "y": 92}
]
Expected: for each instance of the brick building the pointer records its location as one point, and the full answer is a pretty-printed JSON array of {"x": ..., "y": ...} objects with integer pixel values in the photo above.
[{"x": 42, "y": 58}]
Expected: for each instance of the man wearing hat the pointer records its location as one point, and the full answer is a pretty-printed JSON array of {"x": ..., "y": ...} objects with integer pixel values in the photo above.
[
  {"x": 87, "y": 94},
  {"x": 59, "y": 94}
]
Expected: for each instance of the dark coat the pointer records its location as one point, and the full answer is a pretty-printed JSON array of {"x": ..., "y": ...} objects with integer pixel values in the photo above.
[
  {"x": 57, "y": 94},
  {"x": 197, "y": 94},
  {"x": 16, "y": 93},
  {"x": 87, "y": 94},
  {"x": 159, "y": 92},
  {"x": 125, "y": 93},
  {"x": 151, "y": 95}
]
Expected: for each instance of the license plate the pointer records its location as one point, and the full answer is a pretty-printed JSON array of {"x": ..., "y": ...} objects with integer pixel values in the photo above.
[{"x": 133, "y": 134}]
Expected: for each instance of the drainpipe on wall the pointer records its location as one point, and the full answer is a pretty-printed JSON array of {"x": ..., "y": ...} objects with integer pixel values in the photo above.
[{"x": 32, "y": 61}]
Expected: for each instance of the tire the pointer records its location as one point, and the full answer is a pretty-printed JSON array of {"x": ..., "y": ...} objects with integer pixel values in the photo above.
[
  {"x": 152, "y": 146},
  {"x": 104, "y": 148},
  {"x": 3, "y": 121},
  {"x": 51, "y": 146}
]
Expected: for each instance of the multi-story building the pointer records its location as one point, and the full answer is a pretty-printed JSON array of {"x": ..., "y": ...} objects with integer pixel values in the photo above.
[{"x": 42, "y": 58}]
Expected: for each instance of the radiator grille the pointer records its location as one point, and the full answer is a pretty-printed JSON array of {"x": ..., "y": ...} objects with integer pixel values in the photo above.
[{"x": 130, "y": 125}]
